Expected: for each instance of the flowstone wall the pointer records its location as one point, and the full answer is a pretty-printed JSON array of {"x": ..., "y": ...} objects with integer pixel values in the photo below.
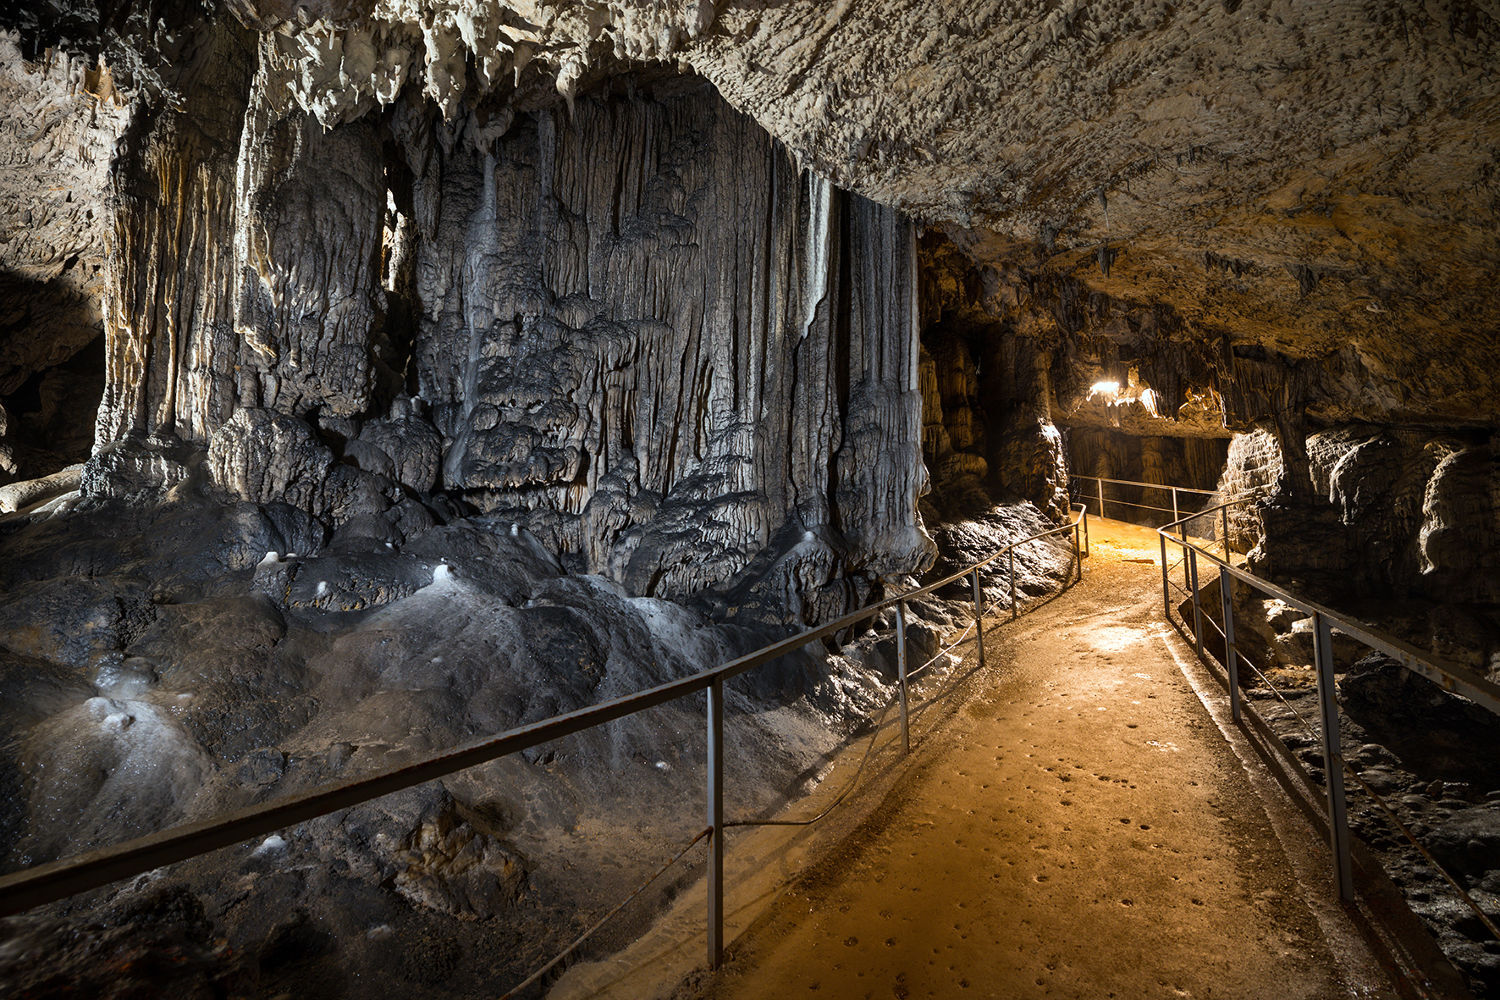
[
  {"x": 408, "y": 426},
  {"x": 648, "y": 335},
  {"x": 1385, "y": 512},
  {"x": 634, "y": 327}
]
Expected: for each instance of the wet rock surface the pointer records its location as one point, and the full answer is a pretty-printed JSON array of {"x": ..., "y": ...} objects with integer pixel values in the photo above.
[{"x": 1070, "y": 822}]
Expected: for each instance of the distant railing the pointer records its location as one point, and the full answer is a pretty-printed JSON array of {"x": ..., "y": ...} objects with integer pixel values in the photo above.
[
  {"x": 57, "y": 880},
  {"x": 1177, "y": 496},
  {"x": 1449, "y": 676}
]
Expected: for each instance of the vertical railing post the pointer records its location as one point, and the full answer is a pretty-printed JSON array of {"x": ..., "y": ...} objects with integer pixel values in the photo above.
[
  {"x": 1077, "y": 552},
  {"x": 1182, "y": 530},
  {"x": 715, "y": 823},
  {"x": 901, "y": 672},
  {"x": 1166, "y": 579},
  {"x": 1231, "y": 656},
  {"x": 1225, "y": 511},
  {"x": 1333, "y": 758},
  {"x": 1100, "y": 483},
  {"x": 979, "y": 616},
  {"x": 1084, "y": 514},
  {"x": 1192, "y": 561},
  {"x": 1014, "y": 611},
  {"x": 1175, "y": 516}
]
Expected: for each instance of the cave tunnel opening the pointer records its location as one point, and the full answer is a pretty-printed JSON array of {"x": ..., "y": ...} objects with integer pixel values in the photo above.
[
  {"x": 48, "y": 421},
  {"x": 1101, "y": 454},
  {"x": 398, "y": 278},
  {"x": 51, "y": 380}
]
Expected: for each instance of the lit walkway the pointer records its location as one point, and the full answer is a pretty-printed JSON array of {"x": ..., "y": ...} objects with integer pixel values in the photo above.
[{"x": 1077, "y": 827}]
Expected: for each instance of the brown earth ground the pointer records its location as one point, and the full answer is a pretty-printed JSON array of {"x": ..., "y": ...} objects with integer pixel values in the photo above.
[{"x": 1071, "y": 822}]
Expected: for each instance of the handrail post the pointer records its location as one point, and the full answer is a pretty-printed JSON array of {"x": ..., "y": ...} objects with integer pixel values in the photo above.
[
  {"x": 978, "y": 616},
  {"x": 1084, "y": 516},
  {"x": 1231, "y": 656},
  {"x": 1333, "y": 758},
  {"x": 1175, "y": 516},
  {"x": 1182, "y": 530},
  {"x": 1166, "y": 579},
  {"x": 1225, "y": 511},
  {"x": 1077, "y": 553},
  {"x": 1013, "y": 612},
  {"x": 1100, "y": 483},
  {"x": 901, "y": 672},
  {"x": 715, "y": 823},
  {"x": 1192, "y": 560}
]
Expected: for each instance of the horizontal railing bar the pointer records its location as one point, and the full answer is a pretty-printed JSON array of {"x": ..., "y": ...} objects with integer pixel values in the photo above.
[
  {"x": 1127, "y": 503},
  {"x": 1353, "y": 772},
  {"x": 1154, "y": 486},
  {"x": 55, "y": 880},
  {"x": 1449, "y": 676},
  {"x": 58, "y": 879}
]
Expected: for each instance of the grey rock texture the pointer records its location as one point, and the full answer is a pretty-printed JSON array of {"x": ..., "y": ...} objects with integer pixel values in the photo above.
[
  {"x": 151, "y": 683},
  {"x": 173, "y": 354},
  {"x": 1430, "y": 755},
  {"x": 59, "y": 120},
  {"x": 1257, "y": 169},
  {"x": 642, "y": 331},
  {"x": 648, "y": 335},
  {"x": 1386, "y": 511},
  {"x": 307, "y": 297}
]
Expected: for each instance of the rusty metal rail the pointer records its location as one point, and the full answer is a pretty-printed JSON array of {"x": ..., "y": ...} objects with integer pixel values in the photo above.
[
  {"x": 57, "y": 880},
  {"x": 1450, "y": 676}
]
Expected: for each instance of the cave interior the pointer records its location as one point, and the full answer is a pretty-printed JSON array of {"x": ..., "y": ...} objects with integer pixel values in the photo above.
[{"x": 378, "y": 376}]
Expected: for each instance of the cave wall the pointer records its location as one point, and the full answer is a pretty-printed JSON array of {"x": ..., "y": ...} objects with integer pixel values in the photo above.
[
  {"x": 172, "y": 350},
  {"x": 60, "y": 116},
  {"x": 1386, "y": 511},
  {"x": 636, "y": 328},
  {"x": 1315, "y": 183},
  {"x": 647, "y": 334},
  {"x": 988, "y": 432},
  {"x": 1193, "y": 462}
]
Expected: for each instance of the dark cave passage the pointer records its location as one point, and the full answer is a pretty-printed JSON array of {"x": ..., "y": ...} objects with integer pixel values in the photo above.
[{"x": 49, "y": 399}]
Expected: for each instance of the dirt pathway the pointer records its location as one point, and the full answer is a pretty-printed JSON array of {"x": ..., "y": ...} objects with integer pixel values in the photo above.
[{"x": 1076, "y": 826}]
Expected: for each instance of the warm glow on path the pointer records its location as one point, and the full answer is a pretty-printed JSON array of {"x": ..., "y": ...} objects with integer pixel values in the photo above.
[{"x": 1074, "y": 826}]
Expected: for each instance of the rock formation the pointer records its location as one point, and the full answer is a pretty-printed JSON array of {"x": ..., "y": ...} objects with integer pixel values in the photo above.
[{"x": 374, "y": 375}]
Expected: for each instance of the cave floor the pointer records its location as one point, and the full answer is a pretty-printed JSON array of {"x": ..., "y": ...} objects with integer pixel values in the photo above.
[{"x": 1071, "y": 823}]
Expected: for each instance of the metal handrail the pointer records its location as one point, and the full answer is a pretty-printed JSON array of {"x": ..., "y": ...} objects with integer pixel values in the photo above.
[
  {"x": 1099, "y": 482},
  {"x": 1153, "y": 486},
  {"x": 1451, "y": 676},
  {"x": 56, "y": 880}
]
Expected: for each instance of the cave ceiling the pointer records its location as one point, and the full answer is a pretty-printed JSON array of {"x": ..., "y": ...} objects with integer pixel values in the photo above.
[{"x": 1273, "y": 181}]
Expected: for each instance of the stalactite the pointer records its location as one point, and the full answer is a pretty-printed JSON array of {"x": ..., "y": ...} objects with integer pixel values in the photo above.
[{"x": 653, "y": 302}]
